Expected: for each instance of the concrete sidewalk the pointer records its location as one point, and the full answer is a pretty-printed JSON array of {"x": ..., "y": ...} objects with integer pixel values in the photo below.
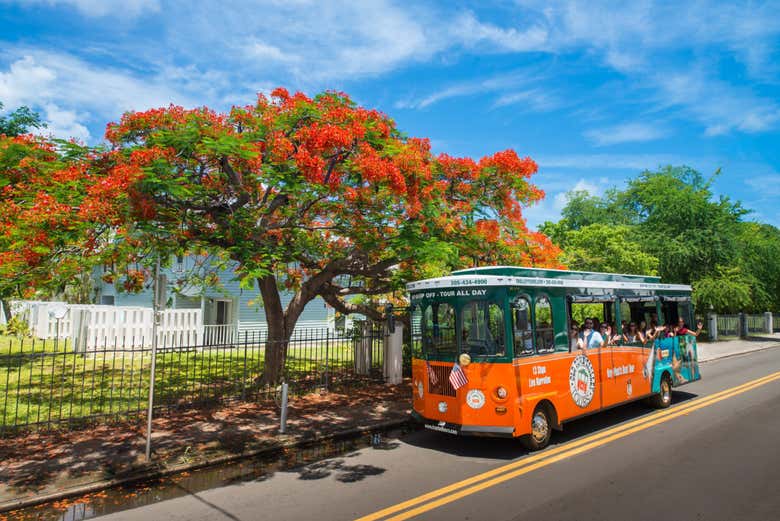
[{"x": 709, "y": 351}]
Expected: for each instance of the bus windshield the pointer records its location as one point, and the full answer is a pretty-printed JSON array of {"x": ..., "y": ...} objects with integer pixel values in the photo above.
[
  {"x": 481, "y": 326},
  {"x": 437, "y": 326}
]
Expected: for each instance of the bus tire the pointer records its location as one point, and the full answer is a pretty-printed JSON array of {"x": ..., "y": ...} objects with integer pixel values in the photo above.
[
  {"x": 541, "y": 429},
  {"x": 663, "y": 399}
]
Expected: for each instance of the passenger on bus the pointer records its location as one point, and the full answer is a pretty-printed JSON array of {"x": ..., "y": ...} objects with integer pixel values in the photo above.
[
  {"x": 596, "y": 324},
  {"x": 652, "y": 331},
  {"x": 574, "y": 336},
  {"x": 609, "y": 332},
  {"x": 616, "y": 337},
  {"x": 682, "y": 329},
  {"x": 633, "y": 335},
  {"x": 667, "y": 331},
  {"x": 589, "y": 338},
  {"x": 605, "y": 330}
]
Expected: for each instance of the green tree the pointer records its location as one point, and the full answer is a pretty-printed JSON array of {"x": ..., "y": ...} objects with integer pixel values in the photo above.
[
  {"x": 758, "y": 253},
  {"x": 20, "y": 121},
  {"x": 681, "y": 223},
  {"x": 727, "y": 290},
  {"x": 600, "y": 247}
]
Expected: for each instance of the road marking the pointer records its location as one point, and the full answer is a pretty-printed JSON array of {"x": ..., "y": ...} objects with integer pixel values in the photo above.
[{"x": 530, "y": 463}]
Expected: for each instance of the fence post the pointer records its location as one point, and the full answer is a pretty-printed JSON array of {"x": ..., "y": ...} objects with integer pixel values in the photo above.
[
  {"x": 243, "y": 377},
  {"x": 283, "y": 416},
  {"x": 327, "y": 353},
  {"x": 363, "y": 349},
  {"x": 768, "y": 325},
  {"x": 712, "y": 326},
  {"x": 743, "y": 325},
  {"x": 394, "y": 340}
]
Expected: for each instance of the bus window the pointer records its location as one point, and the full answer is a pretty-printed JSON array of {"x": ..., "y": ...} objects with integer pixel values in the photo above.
[
  {"x": 482, "y": 329},
  {"x": 579, "y": 312},
  {"x": 438, "y": 329},
  {"x": 684, "y": 311},
  {"x": 521, "y": 327},
  {"x": 543, "y": 325}
]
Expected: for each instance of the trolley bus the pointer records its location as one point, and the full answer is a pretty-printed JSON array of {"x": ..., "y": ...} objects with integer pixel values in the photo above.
[{"x": 493, "y": 353}]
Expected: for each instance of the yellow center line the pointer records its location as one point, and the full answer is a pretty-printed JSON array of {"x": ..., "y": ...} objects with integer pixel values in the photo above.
[{"x": 556, "y": 454}]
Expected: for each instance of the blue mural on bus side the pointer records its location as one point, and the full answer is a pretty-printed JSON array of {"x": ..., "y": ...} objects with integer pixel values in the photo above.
[{"x": 675, "y": 356}]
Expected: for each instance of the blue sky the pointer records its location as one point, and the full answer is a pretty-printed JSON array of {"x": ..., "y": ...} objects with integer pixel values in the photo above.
[{"x": 594, "y": 91}]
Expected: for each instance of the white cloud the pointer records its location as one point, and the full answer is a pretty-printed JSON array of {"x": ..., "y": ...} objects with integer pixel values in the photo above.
[
  {"x": 100, "y": 8},
  {"x": 73, "y": 93},
  {"x": 625, "y": 133},
  {"x": 539, "y": 100},
  {"x": 64, "y": 123},
  {"x": 766, "y": 185},
  {"x": 644, "y": 42},
  {"x": 264, "y": 51},
  {"x": 507, "y": 86},
  {"x": 468, "y": 31},
  {"x": 720, "y": 106},
  {"x": 635, "y": 162}
]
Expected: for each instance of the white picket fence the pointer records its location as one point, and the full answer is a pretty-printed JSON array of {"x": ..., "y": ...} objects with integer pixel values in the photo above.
[{"x": 92, "y": 327}]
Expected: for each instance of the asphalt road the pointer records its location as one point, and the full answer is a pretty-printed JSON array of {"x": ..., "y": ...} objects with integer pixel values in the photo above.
[{"x": 711, "y": 456}]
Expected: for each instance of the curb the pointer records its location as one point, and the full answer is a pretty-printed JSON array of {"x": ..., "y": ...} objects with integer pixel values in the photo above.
[
  {"x": 741, "y": 353},
  {"x": 158, "y": 472}
]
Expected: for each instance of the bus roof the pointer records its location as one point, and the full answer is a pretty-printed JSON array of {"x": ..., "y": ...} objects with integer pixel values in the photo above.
[
  {"x": 522, "y": 271},
  {"x": 520, "y": 276}
]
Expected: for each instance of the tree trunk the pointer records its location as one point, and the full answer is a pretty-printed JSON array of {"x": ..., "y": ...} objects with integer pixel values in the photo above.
[
  {"x": 6, "y": 310},
  {"x": 278, "y": 333}
]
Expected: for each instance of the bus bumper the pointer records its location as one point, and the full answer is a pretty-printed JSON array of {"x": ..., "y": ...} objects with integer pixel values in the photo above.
[{"x": 464, "y": 430}]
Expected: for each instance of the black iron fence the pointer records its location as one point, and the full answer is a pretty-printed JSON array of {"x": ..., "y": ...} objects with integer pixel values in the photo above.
[{"x": 50, "y": 384}]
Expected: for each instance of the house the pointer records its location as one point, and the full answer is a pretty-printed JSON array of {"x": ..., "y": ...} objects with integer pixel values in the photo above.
[{"x": 226, "y": 308}]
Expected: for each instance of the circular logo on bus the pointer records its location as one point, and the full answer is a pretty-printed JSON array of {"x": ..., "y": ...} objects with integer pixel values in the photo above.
[
  {"x": 475, "y": 399},
  {"x": 582, "y": 381}
]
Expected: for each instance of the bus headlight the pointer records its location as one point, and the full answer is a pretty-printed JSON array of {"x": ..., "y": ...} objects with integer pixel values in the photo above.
[
  {"x": 464, "y": 359},
  {"x": 501, "y": 393}
]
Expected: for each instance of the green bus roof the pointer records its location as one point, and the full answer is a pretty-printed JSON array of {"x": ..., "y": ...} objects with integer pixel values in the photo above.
[{"x": 549, "y": 273}]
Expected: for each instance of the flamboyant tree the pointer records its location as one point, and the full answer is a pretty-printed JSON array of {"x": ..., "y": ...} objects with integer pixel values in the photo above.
[
  {"x": 318, "y": 197},
  {"x": 52, "y": 223}
]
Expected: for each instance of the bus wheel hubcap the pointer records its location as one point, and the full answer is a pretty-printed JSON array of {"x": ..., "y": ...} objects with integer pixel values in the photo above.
[
  {"x": 667, "y": 395},
  {"x": 539, "y": 426}
]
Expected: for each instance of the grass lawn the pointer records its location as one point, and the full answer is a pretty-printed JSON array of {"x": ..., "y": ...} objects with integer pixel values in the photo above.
[{"x": 41, "y": 382}]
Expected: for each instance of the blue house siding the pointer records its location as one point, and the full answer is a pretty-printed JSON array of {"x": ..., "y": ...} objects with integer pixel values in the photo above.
[{"x": 246, "y": 313}]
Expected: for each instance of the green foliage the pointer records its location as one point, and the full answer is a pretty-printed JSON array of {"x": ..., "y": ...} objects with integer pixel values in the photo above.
[
  {"x": 579, "y": 312},
  {"x": 600, "y": 247},
  {"x": 20, "y": 121},
  {"x": 17, "y": 326},
  {"x": 669, "y": 223},
  {"x": 727, "y": 291}
]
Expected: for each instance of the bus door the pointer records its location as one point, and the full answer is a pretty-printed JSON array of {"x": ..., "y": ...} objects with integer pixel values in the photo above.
[
  {"x": 635, "y": 368},
  {"x": 684, "y": 357}
]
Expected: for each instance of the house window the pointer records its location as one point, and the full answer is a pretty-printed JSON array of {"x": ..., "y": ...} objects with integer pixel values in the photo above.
[{"x": 107, "y": 300}]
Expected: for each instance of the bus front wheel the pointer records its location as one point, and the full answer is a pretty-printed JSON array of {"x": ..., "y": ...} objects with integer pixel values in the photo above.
[
  {"x": 663, "y": 399},
  {"x": 541, "y": 429}
]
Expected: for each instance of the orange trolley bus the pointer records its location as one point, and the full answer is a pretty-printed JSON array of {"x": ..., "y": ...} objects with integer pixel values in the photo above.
[{"x": 495, "y": 350}]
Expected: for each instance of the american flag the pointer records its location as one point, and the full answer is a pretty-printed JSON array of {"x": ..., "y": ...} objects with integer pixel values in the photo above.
[
  {"x": 458, "y": 377},
  {"x": 431, "y": 374}
]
